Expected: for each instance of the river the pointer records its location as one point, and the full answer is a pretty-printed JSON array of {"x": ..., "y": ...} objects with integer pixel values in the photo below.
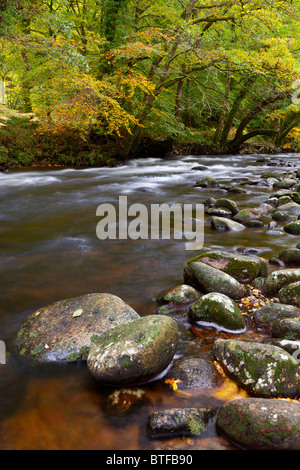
[{"x": 50, "y": 251}]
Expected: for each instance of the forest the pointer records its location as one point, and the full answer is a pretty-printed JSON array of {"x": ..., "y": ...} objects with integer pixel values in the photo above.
[{"x": 94, "y": 82}]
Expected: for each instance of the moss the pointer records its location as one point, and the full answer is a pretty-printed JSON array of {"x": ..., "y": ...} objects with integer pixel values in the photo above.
[
  {"x": 196, "y": 426},
  {"x": 84, "y": 352},
  {"x": 38, "y": 350},
  {"x": 72, "y": 357}
]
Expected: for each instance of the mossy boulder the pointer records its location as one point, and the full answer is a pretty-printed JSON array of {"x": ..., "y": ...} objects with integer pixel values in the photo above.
[
  {"x": 249, "y": 218},
  {"x": 218, "y": 211},
  {"x": 180, "y": 421},
  {"x": 219, "y": 310},
  {"x": 269, "y": 313},
  {"x": 286, "y": 328},
  {"x": 261, "y": 424},
  {"x": 293, "y": 228},
  {"x": 65, "y": 330},
  {"x": 290, "y": 294},
  {"x": 221, "y": 224},
  {"x": 228, "y": 204},
  {"x": 242, "y": 267},
  {"x": 280, "y": 278},
  {"x": 134, "y": 353},
  {"x": 207, "y": 182},
  {"x": 177, "y": 301},
  {"x": 291, "y": 256},
  {"x": 263, "y": 370},
  {"x": 195, "y": 374},
  {"x": 207, "y": 279},
  {"x": 280, "y": 216},
  {"x": 291, "y": 208}
]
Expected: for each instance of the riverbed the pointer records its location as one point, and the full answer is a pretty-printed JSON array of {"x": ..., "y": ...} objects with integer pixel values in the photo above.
[{"x": 50, "y": 251}]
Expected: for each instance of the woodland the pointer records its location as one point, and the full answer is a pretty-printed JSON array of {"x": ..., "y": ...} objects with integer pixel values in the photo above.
[{"x": 94, "y": 82}]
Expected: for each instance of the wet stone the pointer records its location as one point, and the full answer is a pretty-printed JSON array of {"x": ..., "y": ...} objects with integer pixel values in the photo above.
[
  {"x": 261, "y": 424},
  {"x": 180, "y": 421},
  {"x": 65, "y": 330},
  {"x": 134, "y": 353},
  {"x": 195, "y": 374}
]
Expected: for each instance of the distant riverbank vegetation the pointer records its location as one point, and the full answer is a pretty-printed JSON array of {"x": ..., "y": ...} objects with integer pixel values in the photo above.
[{"x": 95, "y": 82}]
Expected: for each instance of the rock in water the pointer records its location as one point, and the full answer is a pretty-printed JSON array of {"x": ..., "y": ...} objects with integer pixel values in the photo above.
[
  {"x": 242, "y": 267},
  {"x": 65, "y": 330},
  {"x": 178, "y": 421},
  {"x": 134, "y": 353},
  {"x": 218, "y": 309},
  {"x": 261, "y": 424},
  {"x": 290, "y": 294},
  {"x": 194, "y": 374},
  {"x": 263, "y": 370},
  {"x": 279, "y": 279},
  {"x": 208, "y": 279},
  {"x": 222, "y": 224}
]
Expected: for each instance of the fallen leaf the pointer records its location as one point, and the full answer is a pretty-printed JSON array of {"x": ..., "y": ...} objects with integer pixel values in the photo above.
[{"x": 77, "y": 313}]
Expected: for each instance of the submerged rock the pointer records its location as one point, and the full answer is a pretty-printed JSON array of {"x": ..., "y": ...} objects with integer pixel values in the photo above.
[
  {"x": 178, "y": 421},
  {"x": 208, "y": 279},
  {"x": 263, "y": 370},
  {"x": 134, "y": 353},
  {"x": 242, "y": 267},
  {"x": 218, "y": 309},
  {"x": 261, "y": 424},
  {"x": 195, "y": 374},
  {"x": 65, "y": 330}
]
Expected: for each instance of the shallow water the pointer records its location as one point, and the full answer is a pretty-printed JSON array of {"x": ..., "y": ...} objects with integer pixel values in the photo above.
[{"x": 50, "y": 251}]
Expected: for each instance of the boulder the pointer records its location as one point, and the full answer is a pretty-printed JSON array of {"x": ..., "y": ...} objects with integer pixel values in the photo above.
[
  {"x": 221, "y": 224},
  {"x": 272, "y": 311},
  {"x": 261, "y": 424},
  {"x": 65, "y": 330},
  {"x": 228, "y": 204},
  {"x": 195, "y": 374},
  {"x": 177, "y": 300},
  {"x": 290, "y": 256},
  {"x": 180, "y": 421},
  {"x": 208, "y": 279},
  {"x": 242, "y": 267},
  {"x": 293, "y": 228},
  {"x": 134, "y": 353},
  {"x": 280, "y": 216},
  {"x": 263, "y": 370},
  {"x": 217, "y": 309},
  {"x": 291, "y": 208},
  {"x": 207, "y": 182},
  {"x": 290, "y": 294},
  {"x": 278, "y": 279},
  {"x": 286, "y": 328},
  {"x": 249, "y": 218}
]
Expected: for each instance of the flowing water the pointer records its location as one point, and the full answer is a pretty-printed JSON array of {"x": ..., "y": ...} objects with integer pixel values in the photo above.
[{"x": 50, "y": 251}]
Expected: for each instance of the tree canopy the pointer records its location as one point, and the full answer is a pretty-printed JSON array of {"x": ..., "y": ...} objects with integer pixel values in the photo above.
[{"x": 221, "y": 72}]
